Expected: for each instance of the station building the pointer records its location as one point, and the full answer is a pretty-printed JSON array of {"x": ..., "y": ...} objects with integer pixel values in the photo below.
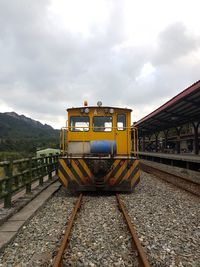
[{"x": 173, "y": 129}]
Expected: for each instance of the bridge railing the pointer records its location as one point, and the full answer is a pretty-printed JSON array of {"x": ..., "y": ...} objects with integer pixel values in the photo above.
[{"x": 22, "y": 173}]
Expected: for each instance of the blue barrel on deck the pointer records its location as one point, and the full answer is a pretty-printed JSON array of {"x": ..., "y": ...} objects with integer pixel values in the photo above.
[{"x": 103, "y": 147}]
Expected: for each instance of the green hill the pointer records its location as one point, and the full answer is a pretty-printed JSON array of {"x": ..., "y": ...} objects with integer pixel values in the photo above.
[{"x": 22, "y": 136}]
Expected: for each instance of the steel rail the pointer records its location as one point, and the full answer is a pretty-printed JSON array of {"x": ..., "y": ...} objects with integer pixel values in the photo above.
[
  {"x": 157, "y": 172},
  {"x": 58, "y": 260},
  {"x": 143, "y": 261}
]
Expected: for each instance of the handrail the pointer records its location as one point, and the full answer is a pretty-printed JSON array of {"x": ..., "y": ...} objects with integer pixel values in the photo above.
[
  {"x": 112, "y": 130},
  {"x": 18, "y": 174},
  {"x": 135, "y": 141}
]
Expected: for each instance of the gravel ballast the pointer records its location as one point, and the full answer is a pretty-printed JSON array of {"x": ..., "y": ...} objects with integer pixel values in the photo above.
[
  {"x": 166, "y": 218},
  {"x": 100, "y": 236},
  {"x": 167, "y": 221},
  {"x": 36, "y": 241}
]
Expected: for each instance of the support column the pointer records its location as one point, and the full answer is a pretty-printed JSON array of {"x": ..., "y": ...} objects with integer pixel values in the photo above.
[
  {"x": 139, "y": 144},
  {"x": 143, "y": 143},
  {"x": 178, "y": 129},
  {"x": 166, "y": 138},
  {"x": 149, "y": 142},
  {"x": 156, "y": 141},
  {"x": 196, "y": 137}
]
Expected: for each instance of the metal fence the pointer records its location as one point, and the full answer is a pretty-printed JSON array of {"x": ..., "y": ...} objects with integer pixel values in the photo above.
[{"x": 22, "y": 173}]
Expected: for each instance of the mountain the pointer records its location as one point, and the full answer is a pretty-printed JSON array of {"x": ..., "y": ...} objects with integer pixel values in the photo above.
[
  {"x": 28, "y": 120},
  {"x": 21, "y": 134},
  {"x": 19, "y": 125}
]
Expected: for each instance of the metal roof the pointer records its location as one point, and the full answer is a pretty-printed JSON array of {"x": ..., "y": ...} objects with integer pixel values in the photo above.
[{"x": 183, "y": 108}]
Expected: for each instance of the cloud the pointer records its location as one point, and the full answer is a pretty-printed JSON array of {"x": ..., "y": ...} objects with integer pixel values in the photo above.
[
  {"x": 173, "y": 43},
  {"x": 45, "y": 67}
]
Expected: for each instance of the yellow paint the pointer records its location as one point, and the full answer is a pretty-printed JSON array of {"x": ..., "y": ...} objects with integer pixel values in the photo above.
[
  {"x": 76, "y": 168},
  {"x": 113, "y": 167},
  {"x": 85, "y": 167},
  {"x": 119, "y": 172},
  {"x": 135, "y": 164},
  {"x": 62, "y": 178},
  {"x": 122, "y": 138},
  {"x": 68, "y": 171},
  {"x": 135, "y": 178}
]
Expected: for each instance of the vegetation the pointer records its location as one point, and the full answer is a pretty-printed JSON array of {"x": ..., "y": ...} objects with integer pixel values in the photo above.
[{"x": 21, "y": 136}]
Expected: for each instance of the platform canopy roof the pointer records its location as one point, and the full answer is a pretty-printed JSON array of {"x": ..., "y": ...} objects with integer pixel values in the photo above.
[{"x": 181, "y": 109}]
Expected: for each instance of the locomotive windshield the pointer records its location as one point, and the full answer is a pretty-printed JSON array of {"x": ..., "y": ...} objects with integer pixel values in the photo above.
[
  {"x": 79, "y": 124},
  {"x": 102, "y": 124}
]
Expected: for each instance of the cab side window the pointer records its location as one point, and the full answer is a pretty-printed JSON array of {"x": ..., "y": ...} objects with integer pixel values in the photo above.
[{"x": 121, "y": 122}]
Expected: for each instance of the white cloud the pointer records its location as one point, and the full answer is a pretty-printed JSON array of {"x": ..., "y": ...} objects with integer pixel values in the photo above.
[{"x": 55, "y": 54}]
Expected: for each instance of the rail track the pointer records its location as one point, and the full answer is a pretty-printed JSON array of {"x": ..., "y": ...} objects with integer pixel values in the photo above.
[
  {"x": 137, "y": 247},
  {"x": 189, "y": 186}
]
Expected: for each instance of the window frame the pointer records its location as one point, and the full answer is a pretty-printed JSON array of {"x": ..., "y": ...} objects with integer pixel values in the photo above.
[
  {"x": 124, "y": 127},
  {"x": 81, "y": 127},
  {"x": 93, "y": 127}
]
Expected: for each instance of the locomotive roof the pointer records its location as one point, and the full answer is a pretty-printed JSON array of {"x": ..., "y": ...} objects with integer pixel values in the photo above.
[{"x": 102, "y": 107}]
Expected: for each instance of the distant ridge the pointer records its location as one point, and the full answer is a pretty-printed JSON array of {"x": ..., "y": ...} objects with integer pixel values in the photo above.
[
  {"x": 28, "y": 120},
  {"x": 22, "y": 134}
]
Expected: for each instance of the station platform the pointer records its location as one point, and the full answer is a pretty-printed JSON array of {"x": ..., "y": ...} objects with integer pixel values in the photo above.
[{"x": 189, "y": 161}]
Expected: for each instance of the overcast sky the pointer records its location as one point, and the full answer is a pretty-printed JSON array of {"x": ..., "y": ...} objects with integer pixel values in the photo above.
[{"x": 55, "y": 54}]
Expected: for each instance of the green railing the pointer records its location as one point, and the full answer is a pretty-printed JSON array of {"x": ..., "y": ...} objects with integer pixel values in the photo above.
[{"x": 22, "y": 173}]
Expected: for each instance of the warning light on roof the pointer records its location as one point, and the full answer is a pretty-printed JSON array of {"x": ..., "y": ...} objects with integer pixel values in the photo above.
[
  {"x": 85, "y": 103},
  {"x": 99, "y": 103}
]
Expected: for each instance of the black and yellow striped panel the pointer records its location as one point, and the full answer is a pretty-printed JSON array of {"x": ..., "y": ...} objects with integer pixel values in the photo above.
[
  {"x": 135, "y": 179},
  {"x": 124, "y": 171},
  {"x": 74, "y": 171},
  {"x": 85, "y": 170},
  {"x": 63, "y": 173},
  {"x": 134, "y": 174},
  {"x": 62, "y": 178},
  {"x": 114, "y": 169}
]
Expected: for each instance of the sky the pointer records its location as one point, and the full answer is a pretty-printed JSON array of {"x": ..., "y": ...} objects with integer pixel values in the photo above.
[{"x": 54, "y": 54}]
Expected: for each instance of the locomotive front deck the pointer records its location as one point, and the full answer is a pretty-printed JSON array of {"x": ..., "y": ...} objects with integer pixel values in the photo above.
[{"x": 120, "y": 173}]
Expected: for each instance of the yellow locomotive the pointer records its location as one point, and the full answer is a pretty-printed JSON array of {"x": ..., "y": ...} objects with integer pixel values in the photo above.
[{"x": 99, "y": 150}]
